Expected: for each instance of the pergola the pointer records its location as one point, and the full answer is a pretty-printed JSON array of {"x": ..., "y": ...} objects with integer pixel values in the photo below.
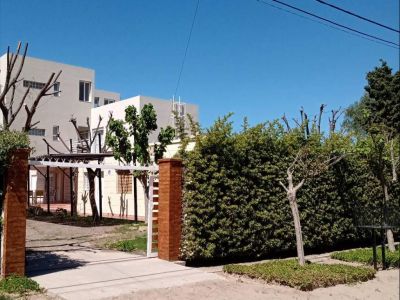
[
  {"x": 94, "y": 161},
  {"x": 79, "y": 160}
]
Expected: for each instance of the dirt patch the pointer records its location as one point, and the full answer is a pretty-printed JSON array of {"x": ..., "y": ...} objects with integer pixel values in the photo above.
[
  {"x": 384, "y": 286},
  {"x": 45, "y": 236}
]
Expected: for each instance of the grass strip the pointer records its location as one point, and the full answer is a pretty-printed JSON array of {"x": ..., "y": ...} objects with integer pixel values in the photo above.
[
  {"x": 138, "y": 243},
  {"x": 18, "y": 285},
  {"x": 365, "y": 256}
]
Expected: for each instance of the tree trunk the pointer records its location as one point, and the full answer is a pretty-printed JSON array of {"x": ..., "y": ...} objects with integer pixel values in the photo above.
[
  {"x": 393, "y": 160},
  {"x": 297, "y": 227},
  {"x": 92, "y": 198},
  {"x": 389, "y": 233},
  {"x": 143, "y": 180}
]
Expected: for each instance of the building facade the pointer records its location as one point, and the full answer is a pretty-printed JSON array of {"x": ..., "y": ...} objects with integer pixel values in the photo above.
[{"x": 75, "y": 97}]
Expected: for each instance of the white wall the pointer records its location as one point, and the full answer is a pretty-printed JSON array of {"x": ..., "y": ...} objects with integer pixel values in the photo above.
[{"x": 162, "y": 107}]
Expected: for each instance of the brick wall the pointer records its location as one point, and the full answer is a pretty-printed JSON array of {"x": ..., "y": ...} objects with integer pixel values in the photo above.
[
  {"x": 14, "y": 223},
  {"x": 169, "y": 208}
]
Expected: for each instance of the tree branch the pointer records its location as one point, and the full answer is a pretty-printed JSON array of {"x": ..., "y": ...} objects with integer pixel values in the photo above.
[{"x": 280, "y": 182}]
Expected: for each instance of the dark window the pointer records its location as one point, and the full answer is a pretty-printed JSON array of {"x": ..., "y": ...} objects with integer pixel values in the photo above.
[
  {"x": 96, "y": 101},
  {"x": 84, "y": 91},
  {"x": 34, "y": 84},
  {"x": 56, "y": 131},
  {"x": 37, "y": 131},
  {"x": 56, "y": 89},
  {"x": 108, "y": 101}
]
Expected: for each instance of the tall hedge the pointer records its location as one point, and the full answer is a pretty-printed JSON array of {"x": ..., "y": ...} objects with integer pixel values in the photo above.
[{"x": 233, "y": 206}]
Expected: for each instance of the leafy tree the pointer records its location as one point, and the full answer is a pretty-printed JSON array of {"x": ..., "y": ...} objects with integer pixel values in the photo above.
[
  {"x": 383, "y": 102},
  {"x": 138, "y": 126},
  {"x": 376, "y": 118}
]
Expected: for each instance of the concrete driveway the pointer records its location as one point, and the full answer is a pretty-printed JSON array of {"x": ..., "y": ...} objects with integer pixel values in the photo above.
[
  {"x": 96, "y": 274},
  {"x": 63, "y": 260}
]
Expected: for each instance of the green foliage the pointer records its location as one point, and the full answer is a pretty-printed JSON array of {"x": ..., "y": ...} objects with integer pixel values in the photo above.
[
  {"x": 18, "y": 285},
  {"x": 138, "y": 243},
  {"x": 305, "y": 278},
  {"x": 383, "y": 102},
  {"x": 10, "y": 140},
  {"x": 184, "y": 135},
  {"x": 365, "y": 256},
  {"x": 234, "y": 207},
  {"x": 140, "y": 125}
]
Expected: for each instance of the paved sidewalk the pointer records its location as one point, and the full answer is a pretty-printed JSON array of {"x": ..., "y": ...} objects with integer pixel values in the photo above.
[{"x": 96, "y": 274}]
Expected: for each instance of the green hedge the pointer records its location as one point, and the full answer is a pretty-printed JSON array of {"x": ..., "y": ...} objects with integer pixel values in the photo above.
[{"x": 234, "y": 207}]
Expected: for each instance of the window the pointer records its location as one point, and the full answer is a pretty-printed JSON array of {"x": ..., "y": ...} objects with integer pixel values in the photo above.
[
  {"x": 84, "y": 91},
  {"x": 56, "y": 88},
  {"x": 124, "y": 183},
  {"x": 34, "y": 84},
  {"x": 96, "y": 101},
  {"x": 108, "y": 101},
  {"x": 37, "y": 131},
  {"x": 56, "y": 131}
]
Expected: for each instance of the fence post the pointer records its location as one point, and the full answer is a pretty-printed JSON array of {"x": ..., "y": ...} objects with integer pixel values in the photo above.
[
  {"x": 14, "y": 215},
  {"x": 169, "y": 208}
]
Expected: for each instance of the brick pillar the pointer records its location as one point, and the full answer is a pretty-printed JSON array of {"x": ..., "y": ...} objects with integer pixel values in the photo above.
[
  {"x": 169, "y": 208},
  {"x": 14, "y": 222}
]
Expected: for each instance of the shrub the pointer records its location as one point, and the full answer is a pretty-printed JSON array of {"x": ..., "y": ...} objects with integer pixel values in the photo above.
[
  {"x": 10, "y": 140},
  {"x": 18, "y": 285},
  {"x": 61, "y": 212},
  {"x": 306, "y": 278},
  {"x": 365, "y": 256},
  {"x": 33, "y": 211},
  {"x": 234, "y": 207}
]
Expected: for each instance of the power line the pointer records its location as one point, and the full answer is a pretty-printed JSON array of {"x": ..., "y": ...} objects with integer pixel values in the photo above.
[
  {"x": 351, "y": 30},
  {"x": 357, "y": 16},
  {"x": 187, "y": 47},
  {"x": 327, "y": 25}
]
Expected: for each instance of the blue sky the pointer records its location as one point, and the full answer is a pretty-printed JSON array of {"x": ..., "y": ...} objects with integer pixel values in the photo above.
[{"x": 244, "y": 57}]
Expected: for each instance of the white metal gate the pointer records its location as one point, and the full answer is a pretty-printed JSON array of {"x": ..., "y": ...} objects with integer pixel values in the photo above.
[{"x": 152, "y": 217}]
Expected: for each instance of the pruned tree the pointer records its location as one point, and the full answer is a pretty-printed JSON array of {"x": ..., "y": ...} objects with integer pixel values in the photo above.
[
  {"x": 138, "y": 126},
  {"x": 308, "y": 161},
  {"x": 307, "y": 165},
  {"x": 85, "y": 145},
  {"x": 10, "y": 106}
]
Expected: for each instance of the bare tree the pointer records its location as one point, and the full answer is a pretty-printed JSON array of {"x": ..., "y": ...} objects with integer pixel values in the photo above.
[
  {"x": 334, "y": 118},
  {"x": 321, "y": 111},
  {"x": 9, "y": 105},
  {"x": 85, "y": 145},
  {"x": 285, "y": 120},
  {"x": 311, "y": 167}
]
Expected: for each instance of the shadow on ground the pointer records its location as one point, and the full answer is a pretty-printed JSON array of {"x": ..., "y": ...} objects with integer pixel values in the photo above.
[{"x": 45, "y": 262}]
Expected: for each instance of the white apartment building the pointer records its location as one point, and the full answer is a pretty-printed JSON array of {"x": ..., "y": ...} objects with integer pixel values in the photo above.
[
  {"x": 116, "y": 202},
  {"x": 75, "y": 96}
]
